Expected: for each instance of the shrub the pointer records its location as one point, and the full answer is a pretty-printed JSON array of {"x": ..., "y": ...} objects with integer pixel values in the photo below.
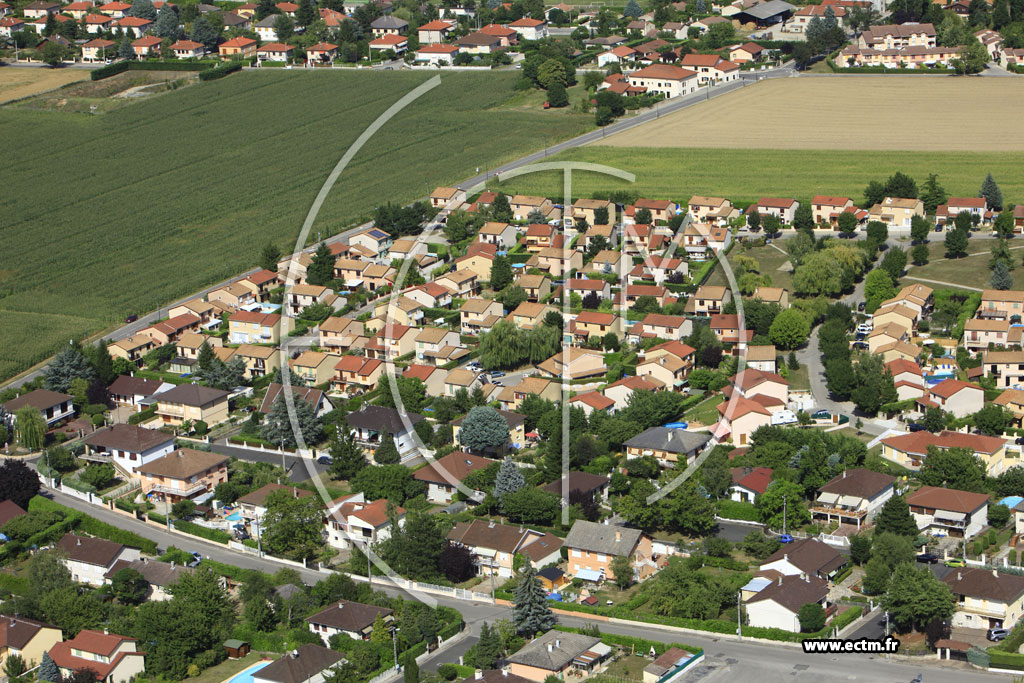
[{"x": 220, "y": 71}]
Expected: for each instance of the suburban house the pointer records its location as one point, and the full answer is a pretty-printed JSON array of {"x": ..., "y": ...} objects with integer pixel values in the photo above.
[
  {"x": 254, "y": 327},
  {"x": 356, "y": 374},
  {"x": 985, "y": 598},
  {"x": 127, "y": 447},
  {"x": 432, "y": 377},
  {"x": 502, "y": 235},
  {"x": 133, "y": 348},
  {"x": 370, "y": 422},
  {"x": 582, "y": 484},
  {"x": 437, "y": 32},
  {"x": 338, "y": 334},
  {"x": 88, "y": 558},
  {"x": 1007, "y": 367},
  {"x": 708, "y": 299},
  {"x": 589, "y": 324},
  {"x": 254, "y": 505},
  {"x": 192, "y": 402},
  {"x": 26, "y": 638},
  {"x": 351, "y": 521},
  {"x": 462, "y": 283},
  {"x": 740, "y": 416},
  {"x": 959, "y": 514},
  {"x": 896, "y": 212},
  {"x": 660, "y": 326},
  {"x": 592, "y": 547},
  {"x": 826, "y": 209},
  {"x": 910, "y": 450},
  {"x": 1001, "y": 304},
  {"x": 184, "y": 474},
  {"x": 135, "y": 392},
  {"x": 587, "y": 210},
  {"x": 114, "y": 658},
  {"x": 54, "y": 406},
  {"x": 807, "y": 556},
  {"x": 668, "y": 446},
  {"x": 313, "y": 368},
  {"x": 954, "y": 396},
  {"x": 240, "y": 47},
  {"x": 159, "y": 575},
  {"x": 300, "y": 297},
  {"x": 511, "y": 397},
  {"x": 782, "y": 208},
  {"x": 522, "y": 205},
  {"x": 668, "y": 665},
  {"x": 529, "y": 28},
  {"x": 897, "y": 36},
  {"x": 665, "y": 79},
  {"x": 442, "y": 475},
  {"x": 317, "y": 399},
  {"x": 558, "y": 654},
  {"x": 776, "y": 603},
  {"x": 748, "y": 483},
  {"x": 307, "y": 663},
  {"x": 1013, "y": 401},
  {"x": 762, "y": 357},
  {"x": 354, "y": 619},
  {"x": 574, "y": 363},
  {"x": 494, "y": 546},
  {"x": 853, "y": 497}
]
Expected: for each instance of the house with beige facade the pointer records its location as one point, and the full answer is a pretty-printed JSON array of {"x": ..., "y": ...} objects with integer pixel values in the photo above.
[
  {"x": 592, "y": 547},
  {"x": 192, "y": 402},
  {"x": 183, "y": 474}
]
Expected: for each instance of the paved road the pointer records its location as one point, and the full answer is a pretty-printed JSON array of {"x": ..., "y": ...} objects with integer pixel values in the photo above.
[
  {"x": 728, "y": 660},
  {"x": 298, "y": 468}
]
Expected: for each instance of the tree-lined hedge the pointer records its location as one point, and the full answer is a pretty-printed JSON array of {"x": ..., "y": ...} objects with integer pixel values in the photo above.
[
  {"x": 220, "y": 71},
  {"x": 122, "y": 66}
]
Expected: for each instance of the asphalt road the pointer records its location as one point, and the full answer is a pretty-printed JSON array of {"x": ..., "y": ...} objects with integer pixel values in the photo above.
[
  {"x": 297, "y": 468},
  {"x": 727, "y": 659}
]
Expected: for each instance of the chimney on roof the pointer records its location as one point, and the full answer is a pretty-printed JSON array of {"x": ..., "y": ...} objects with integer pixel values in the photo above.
[
  {"x": 504, "y": 672},
  {"x": 618, "y": 535},
  {"x": 79, "y": 542},
  {"x": 558, "y": 642},
  {"x": 780, "y": 580},
  {"x": 959, "y": 576},
  {"x": 995, "y": 573},
  {"x": 785, "y": 556},
  {"x": 844, "y": 474},
  {"x": 106, "y": 631},
  {"x": 172, "y": 564},
  {"x": 550, "y": 649}
]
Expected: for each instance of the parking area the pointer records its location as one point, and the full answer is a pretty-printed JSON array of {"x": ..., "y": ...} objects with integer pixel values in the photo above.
[{"x": 974, "y": 636}]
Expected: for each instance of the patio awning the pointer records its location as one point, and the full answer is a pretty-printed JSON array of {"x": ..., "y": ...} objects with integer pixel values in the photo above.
[
  {"x": 953, "y": 516},
  {"x": 828, "y": 498},
  {"x": 594, "y": 654},
  {"x": 588, "y": 575},
  {"x": 851, "y": 501}
]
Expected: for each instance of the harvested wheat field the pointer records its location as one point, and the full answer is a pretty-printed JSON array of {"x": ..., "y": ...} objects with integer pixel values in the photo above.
[
  {"x": 912, "y": 113},
  {"x": 17, "y": 82}
]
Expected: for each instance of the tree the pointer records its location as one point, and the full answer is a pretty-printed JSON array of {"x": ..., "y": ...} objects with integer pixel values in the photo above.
[
  {"x": 804, "y": 217},
  {"x": 48, "y": 671},
  {"x": 894, "y": 262},
  {"x": 500, "y": 209},
  {"x": 1001, "y": 277},
  {"x": 14, "y": 665},
  {"x": 933, "y": 193},
  {"x": 284, "y": 27},
  {"x": 321, "y": 267},
  {"x": 18, "y": 483},
  {"x": 874, "y": 386},
  {"x": 622, "y": 571},
  {"x": 530, "y": 505},
  {"x": 347, "y": 456},
  {"x": 415, "y": 549},
  {"x": 790, "y": 329},
  {"x": 490, "y": 648},
  {"x": 292, "y": 527},
  {"x": 270, "y": 254},
  {"x": 483, "y": 429},
  {"x": 387, "y": 451},
  {"x": 530, "y": 611},
  {"x": 992, "y": 420},
  {"x": 632, "y": 9},
  {"x": 955, "y": 243},
  {"x": 410, "y": 670},
  {"x": 973, "y": 58},
  {"x": 143, "y": 9},
  {"x": 919, "y": 255},
  {"x": 847, "y": 223},
  {"x": 306, "y": 14},
  {"x": 183, "y": 509},
  {"x": 901, "y": 185},
  {"x": 456, "y": 562},
  {"x": 129, "y": 586},
  {"x": 125, "y": 50},
  {"x": 501, "y": 273},
  {"x": 69, "y": 364},
  {"x": 998, "y": 516},
  {"x": 934, "y": 419},
  {"x": 30, "y": 428},
  {"x": 557, "y": 96},
  {"x": 512, "y": 296},
  {"x": 878, "y": 287},
  {"x": 203, "y": 33},
  {"x": 770, "y": 505},
  {"x": 277, "y": 426},
  {"x": 895, "y": 518},
  {"x": 754, "y": 220},
  {"x": 167, "y": 26},
  {"x": 919, "y": 229},
  {"x": 877, "y": 232},
  {"x": 393, "y": 482},
  {"x": 860, "y": 548},
  {"x": 772, "y": 225},
  {"x": 760, "y": 545},
  {"x": 550, "y": 72},
  {"x": 811, "y": 615},
  {"x": 874, "y": 193},
  {"x": 1000, "y": 14},
  {"x": 915, "y": 597},
  {"x": 954, "y": 468}
]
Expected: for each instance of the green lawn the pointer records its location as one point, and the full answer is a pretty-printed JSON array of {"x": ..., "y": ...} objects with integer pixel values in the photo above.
[
  {"x": 112, "y": 214},
  {"x": 770, "y": 257},
  {"x": 969, "y": 271},
  {"x": 706, "y": 411},
  {"x": 226, "y": 669},
  {"x": 749, "y": 174},
  {"x": 799, "y": 380}
]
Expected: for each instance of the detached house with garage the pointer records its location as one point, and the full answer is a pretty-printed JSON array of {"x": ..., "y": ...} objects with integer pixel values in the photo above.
[
  {"x": 184, "y": 474},
  {"x": 776, "y": 602},
  {"x": 54, "y": 405},
  {"x": 555, "y": 654},
  {"x": 748, "y": 483},
  {"x": 494, "y": 546},
  {"x": 954, "y": 396},
  {"x": 986, "y": 598},
  {"x": 26, "y": 638},
  {"x": 782, "y": 208},
  {"x": 808, "y": 556},
  {"x": 941, "y": 511},
  {"x": 592, "y": 547},
  {"x": 127, "y": 447},
  {"x": 670, "y": 447},
  {"x": 442, "y": 475},
  {"x": 114, "y": 658}
]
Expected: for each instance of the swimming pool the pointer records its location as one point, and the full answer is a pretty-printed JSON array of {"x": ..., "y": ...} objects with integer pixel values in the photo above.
[
  {"x": 246, "y": 676},
  {"x": 234, "y": 516}
]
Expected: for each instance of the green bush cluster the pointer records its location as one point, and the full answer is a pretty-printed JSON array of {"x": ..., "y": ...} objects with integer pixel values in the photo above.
[
  {"x": 732, "y": 509},
  {"x": 215, "y": 535},
  {"x": 220, "y": 71}
]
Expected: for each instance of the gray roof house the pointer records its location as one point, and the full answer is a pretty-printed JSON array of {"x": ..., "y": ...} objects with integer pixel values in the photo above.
[
  {"x": 667, "y": 445},
  {"x": 592, "y": 547},
  {"x": 555, "y": 652},
  {"x": 602, "y": 538},
  {"x": 305, "y": 664}
]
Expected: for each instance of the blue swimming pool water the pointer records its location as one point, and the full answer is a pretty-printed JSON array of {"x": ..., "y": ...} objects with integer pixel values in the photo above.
[
  {"x": 246, "y": 676},
  {"x": 234, "y": 517}
]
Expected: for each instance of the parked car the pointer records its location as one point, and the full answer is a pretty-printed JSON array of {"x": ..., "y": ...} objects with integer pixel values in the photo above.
[
  {"x": 497, "y": 383},
  {"x": 997, "y": 634},
  {"x": 196, "y": 559},
  {"x": 1019, "y": 441},
  {"x": 928, "y": 558},
  {"x": 860, "y": 345},
  {"x": 497, "y": 373},
  {"x": 821, "y": 415},
  {"x": 325, "y": 460},
  {"x": 916, "y": 427},
  {"x": 955, "y": 562},
  {"x": 132, "y": 318},
  {"x": 861, "y": 305},
  {"x": 785, "y": 538}
]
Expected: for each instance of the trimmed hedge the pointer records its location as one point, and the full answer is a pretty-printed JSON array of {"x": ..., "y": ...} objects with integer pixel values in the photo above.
[
  {"x": 732, "y": 509},
  {"x": 73, "y": 519},
  {"x": 109, "y": 70},
  {"x": 1006, "y": 660},
  {"x": 122, "y": 66},
  {"x": 220, "y": 71},
  {"x": 215, "y": 535},
  {"x": 144, "y": 415}
]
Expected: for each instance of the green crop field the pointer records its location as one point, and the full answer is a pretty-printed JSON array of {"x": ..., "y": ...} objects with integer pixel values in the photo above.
[
  {"x": 747, "y": 175},
  {"x": 111, "y": 214}
]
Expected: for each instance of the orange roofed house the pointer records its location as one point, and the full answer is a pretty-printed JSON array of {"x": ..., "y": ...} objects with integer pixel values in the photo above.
[
  {"x": 114, "y": 658},
  {"x": 237, "y": 47}
]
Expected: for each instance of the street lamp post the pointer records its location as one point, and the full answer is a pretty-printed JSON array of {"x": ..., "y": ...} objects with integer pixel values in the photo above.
[
  {"x": 739, "y": 614},
  {"x": 394, "y": 645}
]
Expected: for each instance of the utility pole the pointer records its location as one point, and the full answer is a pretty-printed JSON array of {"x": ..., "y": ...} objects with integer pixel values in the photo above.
[
  {"x": 784, "y": 501},
  {"x": 369, "y": 572},
  {"x": 739, "y": 614},
  {"x": 259, "y": 537}
]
